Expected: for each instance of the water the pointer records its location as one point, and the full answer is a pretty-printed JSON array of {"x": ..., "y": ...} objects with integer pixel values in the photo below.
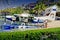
[{"x": 7, "y": 26}]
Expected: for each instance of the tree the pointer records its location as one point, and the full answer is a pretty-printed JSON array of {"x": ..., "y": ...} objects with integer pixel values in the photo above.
[
  {"x": 39, "y": 7},
  {"x": 17, "y": 10}
]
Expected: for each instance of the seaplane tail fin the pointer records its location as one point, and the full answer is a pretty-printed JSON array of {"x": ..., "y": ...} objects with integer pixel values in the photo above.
[{"x": 52, "y": 14}]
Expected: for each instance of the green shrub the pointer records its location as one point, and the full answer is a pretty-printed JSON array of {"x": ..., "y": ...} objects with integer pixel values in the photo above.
[{"x": 31, "y": 34}]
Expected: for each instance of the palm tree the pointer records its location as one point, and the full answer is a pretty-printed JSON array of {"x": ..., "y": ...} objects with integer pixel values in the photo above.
[{"x": 40, "y": 7}]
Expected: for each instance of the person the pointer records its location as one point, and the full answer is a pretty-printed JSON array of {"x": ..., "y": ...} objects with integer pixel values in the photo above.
[
  {"x": 45, "y": 23},
  {"x": 13, "y": 20},
  {"x": 17, "y": 18},
  {"x": 42, "y": 13}
]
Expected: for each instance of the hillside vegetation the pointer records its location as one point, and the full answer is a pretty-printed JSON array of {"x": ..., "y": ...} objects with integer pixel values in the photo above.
[{"x": 17, "y": 10}]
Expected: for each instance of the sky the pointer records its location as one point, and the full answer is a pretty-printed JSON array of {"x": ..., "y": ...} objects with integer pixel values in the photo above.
[{"x": 14, "y": 3}]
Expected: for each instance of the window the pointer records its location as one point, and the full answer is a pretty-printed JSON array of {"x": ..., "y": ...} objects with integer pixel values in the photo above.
[
  {"x": 58, "y": 14},
  {"x": 54, "y": 9}
]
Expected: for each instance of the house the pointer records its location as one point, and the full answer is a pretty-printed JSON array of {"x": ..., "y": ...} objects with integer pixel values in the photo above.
[{"x": 49, "y": 9}]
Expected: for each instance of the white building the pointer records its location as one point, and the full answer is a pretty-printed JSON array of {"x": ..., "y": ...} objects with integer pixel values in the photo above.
[{"x": 49, "y": 9}]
